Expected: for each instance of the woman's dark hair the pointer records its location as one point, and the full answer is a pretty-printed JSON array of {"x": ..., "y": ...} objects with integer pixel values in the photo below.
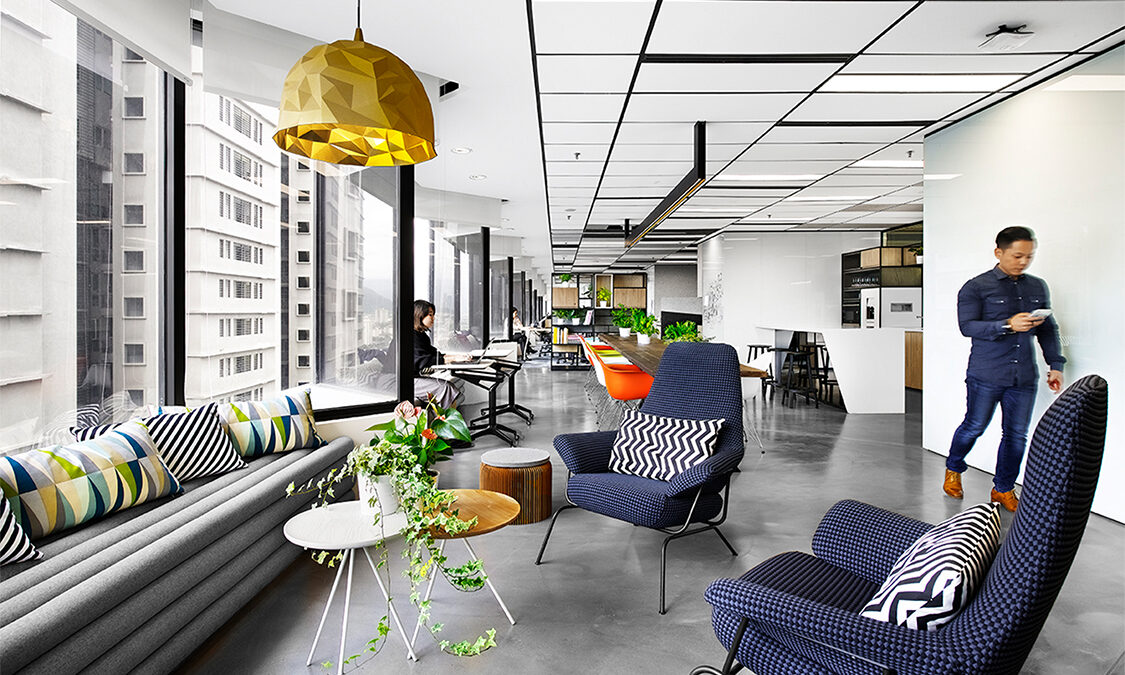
[
  {"x": 422, "y": 309},
  {"x": 515, "y": 309},
  {"x": 1010, "y": 235}
]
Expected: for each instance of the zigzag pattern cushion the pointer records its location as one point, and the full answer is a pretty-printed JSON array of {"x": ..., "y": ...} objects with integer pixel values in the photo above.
[
  {"x": 934, "y": 578},
  {"x": 15, "y": 547},
  {"x": 192, "y": 444},
  {"x": 51, "y": 489},
  {"x": 661, "y": 447},
  {"x": 282, "y": 424}
]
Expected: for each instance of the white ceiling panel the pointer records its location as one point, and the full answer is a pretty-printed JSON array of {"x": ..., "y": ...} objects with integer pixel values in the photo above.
[
  {"x": 598, "y": 74},
  {"x": 805, "y": 167},
  {"x": 733, "y": 77},
  {"x": 581, "y": 107},
  {"x": 648, "y": 168},
  {"x": 1048, "y": 72},
  {"x": 770, "y": 27},
  {"x": 898, "y": 152},
  {"x": 715, "y": 189},
  {"x": 1109, "y": 41},
  {"x": 564, "y": 132},
  {"x": 703, "y": 200},
  {"x": 592, "y": 27},
  {"x": 632, "y": 190},
  {"x": 948, "y": 63},
  {"x": 849, "y": 179},
  {"x": 709, "y": 107},
  {"x": 837, "y": 134},
  {"x": 683, "y": 132},
  {"x": 880, "y": 107},
  {"x": 676, "y": 222},
  {"x": 959, "y": 27},
  {"x": 640, "y": 186},
  {"x": 656, "y": 152},
  {"x": 572, "y": 182},
  {"x": 564, "y": 152},
  {"x": 804, "y": 151},
  {"x": 574, "y": 168}
]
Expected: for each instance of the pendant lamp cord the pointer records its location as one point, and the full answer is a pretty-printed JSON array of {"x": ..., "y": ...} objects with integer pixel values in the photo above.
[{"x": 358, "y": 23}]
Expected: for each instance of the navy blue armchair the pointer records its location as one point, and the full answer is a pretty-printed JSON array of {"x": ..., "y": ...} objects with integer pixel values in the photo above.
[
  {"x": 799, "y": 613},
  {"x": 695, "y": 381}
]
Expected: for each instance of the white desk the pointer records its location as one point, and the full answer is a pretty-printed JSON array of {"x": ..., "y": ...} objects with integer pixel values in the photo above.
[{"x": 870, "y": 364}]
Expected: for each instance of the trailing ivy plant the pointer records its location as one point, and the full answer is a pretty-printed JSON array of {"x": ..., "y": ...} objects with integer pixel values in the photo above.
[{"x": 412, "y": 442}]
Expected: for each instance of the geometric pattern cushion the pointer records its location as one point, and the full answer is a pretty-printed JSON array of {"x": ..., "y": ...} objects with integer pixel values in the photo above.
[
  {"x": 661, "y": 447},
  {"x": 192, "y": 444},
  {"x": 15, "y": 547},
  {"x": 51, "y": 489},
  {"x": 934, "y": 578},
  {"x": 282, "y": 424}
]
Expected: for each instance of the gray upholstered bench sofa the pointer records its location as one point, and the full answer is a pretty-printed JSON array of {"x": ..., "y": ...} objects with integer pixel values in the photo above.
[{"x": 141, "y": 589}]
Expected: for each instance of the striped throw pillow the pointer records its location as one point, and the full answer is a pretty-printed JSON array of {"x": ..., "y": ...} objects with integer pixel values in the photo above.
[
  {"x": 281, "y": 424},
  {"x": 935, "y": 578},
  {"x": 661, "y": 447},
  {"x": 15, "y": 547},
  {"x": 51, "y": 489},
  {"x": 192, "y": 444}
]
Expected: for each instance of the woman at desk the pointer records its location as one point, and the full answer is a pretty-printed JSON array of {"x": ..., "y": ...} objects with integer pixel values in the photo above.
[{"x": 445, "y": 392}]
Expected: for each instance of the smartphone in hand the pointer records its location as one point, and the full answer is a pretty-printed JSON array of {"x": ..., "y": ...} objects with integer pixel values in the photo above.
[{"x": 1041, "y": 313}]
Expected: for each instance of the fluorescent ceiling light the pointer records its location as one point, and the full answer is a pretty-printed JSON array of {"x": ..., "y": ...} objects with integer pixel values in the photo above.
[
  {"x": 919, "y": 83},
  {"x": 829, "y": 198},
  {"x": 940, "y": 176},
  {"x": 778, "y": 177},
  {"x": 887, "y": 164},
  {"x": 1089, "y": 83}
]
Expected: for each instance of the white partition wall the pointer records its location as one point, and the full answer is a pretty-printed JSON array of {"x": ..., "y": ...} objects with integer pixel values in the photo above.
[{"x": 1050, "y": 159}]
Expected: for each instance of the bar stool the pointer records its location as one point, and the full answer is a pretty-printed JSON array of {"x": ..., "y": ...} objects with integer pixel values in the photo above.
[
  {"x": 796, "y": 376},
  {"x": 766, "y": 364},
  {"x": 825, "y": 375}
]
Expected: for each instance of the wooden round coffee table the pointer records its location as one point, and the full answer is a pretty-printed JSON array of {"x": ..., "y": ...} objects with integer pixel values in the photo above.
[{"x": 492, "y": 511}]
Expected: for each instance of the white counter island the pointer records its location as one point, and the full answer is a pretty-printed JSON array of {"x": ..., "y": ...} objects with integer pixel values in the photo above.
[{"x": 869, "y": 364}]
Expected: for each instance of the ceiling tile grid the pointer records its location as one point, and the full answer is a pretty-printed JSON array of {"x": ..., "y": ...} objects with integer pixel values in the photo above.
[{"x": 819, "y": 127}]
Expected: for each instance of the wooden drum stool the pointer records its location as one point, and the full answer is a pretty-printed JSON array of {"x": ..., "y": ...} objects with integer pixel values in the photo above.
[{"x": 523, "y": 474}]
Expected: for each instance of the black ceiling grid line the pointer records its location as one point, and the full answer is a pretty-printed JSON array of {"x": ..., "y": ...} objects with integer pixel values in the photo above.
[
  {"x": 539, "y": 113},
  {"x": 842, "y": 65}
]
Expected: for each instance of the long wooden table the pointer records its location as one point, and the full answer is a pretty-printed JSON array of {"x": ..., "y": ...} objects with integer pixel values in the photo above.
[{"x": 647, "y": 357}]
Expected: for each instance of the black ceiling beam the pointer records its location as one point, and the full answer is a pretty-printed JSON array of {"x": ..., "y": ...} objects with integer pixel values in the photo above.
[
  {"x": 683, "y": 191},
  {"x": 746, "y": 58}
]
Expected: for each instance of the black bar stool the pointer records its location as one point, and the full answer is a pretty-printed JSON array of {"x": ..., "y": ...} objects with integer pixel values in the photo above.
[{"x": 796, "y": 376}]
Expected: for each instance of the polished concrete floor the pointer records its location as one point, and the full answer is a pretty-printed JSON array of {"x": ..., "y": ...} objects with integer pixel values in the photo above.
[{"x": 592, "y": 606}]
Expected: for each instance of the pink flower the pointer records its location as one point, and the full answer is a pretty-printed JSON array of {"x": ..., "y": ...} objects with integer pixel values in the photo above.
[
  {"x": 429, "y": 434},
  {"x": 407, "y": 411}
]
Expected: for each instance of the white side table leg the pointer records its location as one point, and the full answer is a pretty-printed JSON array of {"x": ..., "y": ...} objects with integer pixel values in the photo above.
[
  {"x": 331, "y": 594},
  {"x": 349, "y": 558},
  {"x": 391, "y": 604},
  {"x": 488, "y": 580},
  {"x": 429, "y": 590}
]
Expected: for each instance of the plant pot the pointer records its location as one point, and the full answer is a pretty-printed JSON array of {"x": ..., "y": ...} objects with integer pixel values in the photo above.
[
  {"x": 918, "y": 260},
  {"x": 624, "y": 332},
  {"x": 643, "y": 339},
  {"x": 603, "y": 305},
  {"x": 381, "y": 488}
]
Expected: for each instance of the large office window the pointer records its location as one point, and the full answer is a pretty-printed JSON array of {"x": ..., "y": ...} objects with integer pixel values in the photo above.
[
  {"x": 74, "y": 152},
  {"x": 447, "y": 264}
]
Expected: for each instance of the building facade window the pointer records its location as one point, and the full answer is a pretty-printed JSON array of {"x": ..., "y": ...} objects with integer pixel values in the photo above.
[
  {"x": 134, "y": 354},
  {"x": 134, "y": 163},
  {"x": 133, "y": 261},
  {"x": 134, "y": 214},
  {"x": 134, "y": 308},
  {"x": 134, "y": 107},
  {"x": 302, "y": 361}
]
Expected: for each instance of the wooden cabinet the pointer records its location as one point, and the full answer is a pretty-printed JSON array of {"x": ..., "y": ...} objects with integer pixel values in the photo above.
[{"x": 913, "y": 359}]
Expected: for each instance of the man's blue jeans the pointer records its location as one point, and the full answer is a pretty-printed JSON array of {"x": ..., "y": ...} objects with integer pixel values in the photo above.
[{"x": 1016, "y": 404}]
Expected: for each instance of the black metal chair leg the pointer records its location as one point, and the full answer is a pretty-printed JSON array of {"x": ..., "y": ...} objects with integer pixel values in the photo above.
[
  {"x": 732, "y": 551},
  {"x": 730, "y": 666},
  {"x": 543, "y": 547}
]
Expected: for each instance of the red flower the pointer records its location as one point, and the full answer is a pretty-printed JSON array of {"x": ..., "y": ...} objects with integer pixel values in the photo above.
[{"x": 429, "y": 434}]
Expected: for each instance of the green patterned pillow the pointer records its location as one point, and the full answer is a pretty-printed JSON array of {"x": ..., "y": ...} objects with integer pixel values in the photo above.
[
  {"x": 266, "y": 427},
  {"x": 51, "y": 489}
]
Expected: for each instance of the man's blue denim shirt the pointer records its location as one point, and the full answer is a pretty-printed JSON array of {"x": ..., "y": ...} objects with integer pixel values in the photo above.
[{"x": 1000, "y": 356}]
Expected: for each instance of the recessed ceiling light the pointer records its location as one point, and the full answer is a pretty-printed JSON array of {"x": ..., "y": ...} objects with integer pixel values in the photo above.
[
  {"x": 461, "y": 150},
  {"x": 918, "y": 83},
  {"x": 477, "y": 176},
  {"x": 888, "y": 164},
  {"x": 777, "y": 177}
]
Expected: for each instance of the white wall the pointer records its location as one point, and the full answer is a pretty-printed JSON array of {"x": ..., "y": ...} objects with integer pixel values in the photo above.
[
  {"x": 1050, "y": 159},
  {"x": 782, "y": 279}
]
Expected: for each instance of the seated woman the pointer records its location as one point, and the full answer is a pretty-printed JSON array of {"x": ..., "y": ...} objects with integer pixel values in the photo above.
[
  {"x": 445, "y": 392},
  {"x": 519, "y": 333}
]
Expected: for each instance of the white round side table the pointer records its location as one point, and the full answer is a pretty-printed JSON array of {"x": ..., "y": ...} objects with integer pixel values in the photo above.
[{"x": 346, "y": 526}]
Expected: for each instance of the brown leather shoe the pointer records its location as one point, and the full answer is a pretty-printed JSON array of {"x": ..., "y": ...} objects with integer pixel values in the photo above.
[
  {"x": 952, "y": 485},
  {"x": 1006, "y": 499}
]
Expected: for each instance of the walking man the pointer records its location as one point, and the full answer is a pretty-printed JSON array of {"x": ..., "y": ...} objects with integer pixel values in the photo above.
[{"x": 998, "y": 311}]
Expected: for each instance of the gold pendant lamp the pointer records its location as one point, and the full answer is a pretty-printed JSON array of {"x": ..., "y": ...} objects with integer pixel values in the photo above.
[{"x": 350, "y": 102}]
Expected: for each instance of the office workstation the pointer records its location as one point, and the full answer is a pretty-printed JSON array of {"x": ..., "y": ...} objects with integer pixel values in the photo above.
[{"x": 688, "y": 319}]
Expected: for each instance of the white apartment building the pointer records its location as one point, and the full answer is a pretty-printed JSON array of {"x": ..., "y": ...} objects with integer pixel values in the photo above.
[{"x": 232, "y": 244}]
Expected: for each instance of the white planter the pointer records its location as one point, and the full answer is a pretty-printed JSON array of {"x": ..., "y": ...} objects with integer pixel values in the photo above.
[
  {"x": 603, "y": 305},
  {"x": 380, "y": 487},
  {"x": 918, "y": 259},
  {"x": 624, "y": 332},
  {"x": 576, "y": 321},
  {"x": 643, "y": 339}
]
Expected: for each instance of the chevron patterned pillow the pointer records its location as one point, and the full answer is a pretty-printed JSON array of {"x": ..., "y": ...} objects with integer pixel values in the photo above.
[
  {"x": 661, "y": 447},
  {"x": 15, "y": 547},
  {"x": 933, "y": 579}
]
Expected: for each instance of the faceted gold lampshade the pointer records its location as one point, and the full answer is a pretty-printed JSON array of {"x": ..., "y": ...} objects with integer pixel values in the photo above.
[{"x": 351, "y": 102}]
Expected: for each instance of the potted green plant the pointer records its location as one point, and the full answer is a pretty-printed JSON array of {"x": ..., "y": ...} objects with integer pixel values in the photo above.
[
  {"x": 603, "y": 297},
  {"x": 622, "y": 317},
  {"x": 916, "y": 249},
  {"x": 412, "y": 442},
  {"x": 644, "y": 325},
  {"x": 684, "y": 331}
]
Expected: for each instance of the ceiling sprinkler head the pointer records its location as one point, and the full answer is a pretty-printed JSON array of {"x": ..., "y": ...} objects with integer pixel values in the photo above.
[{"x": 577, "y": 155}]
